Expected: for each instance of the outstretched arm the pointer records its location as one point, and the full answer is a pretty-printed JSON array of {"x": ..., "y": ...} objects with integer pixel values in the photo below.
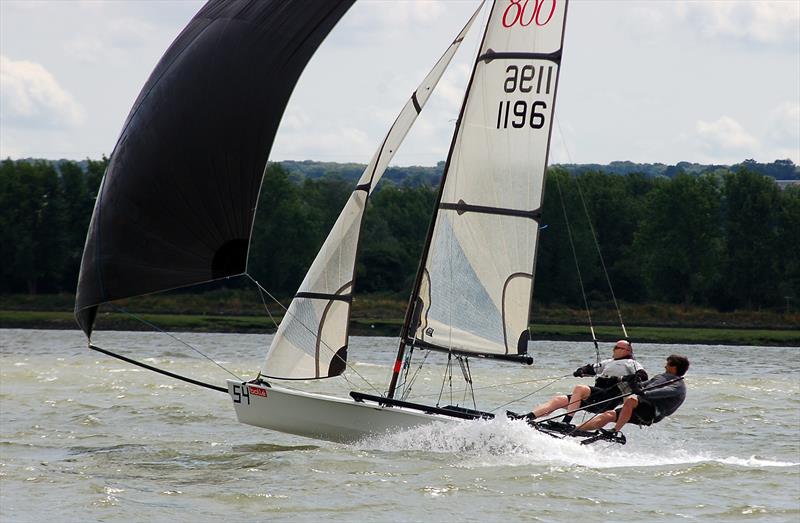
[{"x": 586, "y": 370}]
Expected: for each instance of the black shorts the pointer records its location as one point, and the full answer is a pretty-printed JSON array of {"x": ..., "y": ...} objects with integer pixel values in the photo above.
[
  {"x": 596, "y": 399},
  {"x": 643, "y": 414}
]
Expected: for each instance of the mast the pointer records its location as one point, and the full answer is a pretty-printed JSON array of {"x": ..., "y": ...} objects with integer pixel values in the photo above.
[{"x": 412, "y": 300}]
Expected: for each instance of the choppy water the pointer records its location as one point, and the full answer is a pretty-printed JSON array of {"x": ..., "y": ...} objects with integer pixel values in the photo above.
[{"x": 84, "y": 437}]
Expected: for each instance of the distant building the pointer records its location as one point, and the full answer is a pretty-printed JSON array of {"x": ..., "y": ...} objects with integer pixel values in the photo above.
[{"x": 783, "y": 184}]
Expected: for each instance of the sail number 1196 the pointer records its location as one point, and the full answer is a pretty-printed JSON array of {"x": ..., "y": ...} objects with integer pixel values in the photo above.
[{"x": 524, "y": 113}]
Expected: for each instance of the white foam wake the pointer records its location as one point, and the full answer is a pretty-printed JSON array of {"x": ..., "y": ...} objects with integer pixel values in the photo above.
[{"x": 502, "y": 442}]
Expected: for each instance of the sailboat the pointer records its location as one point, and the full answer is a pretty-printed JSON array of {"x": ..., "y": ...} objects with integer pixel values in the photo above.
[{"x": 156, "y": 228}]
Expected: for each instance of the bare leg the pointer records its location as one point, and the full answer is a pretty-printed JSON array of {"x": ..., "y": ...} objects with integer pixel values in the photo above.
[
  {"x": 579, "y": 393},
  {"x": 555, "y": 403},
  {"x": 600, "y": 420},
  {"x": 631, "y": 402}
]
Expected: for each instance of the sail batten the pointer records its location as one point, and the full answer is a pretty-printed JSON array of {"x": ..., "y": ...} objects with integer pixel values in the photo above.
[
  {"x": 311, "y": 341},
  {"x": 461, "y": 207},
  {"x": 490, "y": 55}
]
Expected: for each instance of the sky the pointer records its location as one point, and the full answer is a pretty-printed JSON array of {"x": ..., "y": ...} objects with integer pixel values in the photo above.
[{"x": 709, "y": 81}]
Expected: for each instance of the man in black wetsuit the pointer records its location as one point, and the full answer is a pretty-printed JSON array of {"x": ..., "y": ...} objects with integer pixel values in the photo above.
[
  {"x": 654, "y": 400},
  {"x": 604, "y": 395}
]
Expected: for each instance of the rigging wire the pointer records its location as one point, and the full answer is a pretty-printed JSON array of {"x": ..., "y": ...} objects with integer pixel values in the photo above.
[
  {"x": 530, "y": 393},
  {"x": 468, "y": 377},
  {"x": 498, "y": 385},
  {"x": 409, "y": 384},
  {"x": 159, "y": 329},
  {"x": 447, "y": 369},
  {"x": 578, "y": 268},
  {"x": 594, "y": 237},
  {"x": 602, "y": 260},
  {"x": 406, "y": 368},
  {"x": 269, "y": 313},
  {"x": 201, "y": 353}
]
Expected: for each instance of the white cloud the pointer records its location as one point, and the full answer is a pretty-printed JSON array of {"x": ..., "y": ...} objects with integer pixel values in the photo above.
[
  {"x": 8, "y": 149},
  {"x": 337, "y": 145},
  {"x": 784, "y": 125},
  {"x": 389, "y": 20},
  {"x": 129, "y": 32},
  {"x": 295, "y": 119},
  {"x": 452, "y": 85},
  {"x": 116, "y": 37},
  {"x": 724, "y": 137},
  {"x": 783, "y": 132},
  {"x": 634, "y": 70},
  {"x": 30, "y": 96},
  {"x": 646, "y": 22},
  {"x": 768, "y": 22},
  {"x": 88, "y": 49}
]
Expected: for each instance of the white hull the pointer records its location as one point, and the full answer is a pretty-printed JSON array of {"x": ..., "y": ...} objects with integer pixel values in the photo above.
[{"x": 319, "y": 416}]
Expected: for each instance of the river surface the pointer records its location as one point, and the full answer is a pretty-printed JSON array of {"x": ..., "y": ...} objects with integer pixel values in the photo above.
[{"x": 84, "y": 437}]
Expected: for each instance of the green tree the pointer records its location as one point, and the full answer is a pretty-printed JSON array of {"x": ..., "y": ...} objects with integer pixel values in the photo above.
[
  {"x": 679, "y": 240},
  {"x": 95, "y": 170},
  {"x": 751, "y": 223},
  {"x": 556, "y": 278},
  {"x": 77, "y": 211},
  {"x": 614, "y": 209},
  {"x": 33, "y": 226},
  {"x": 10, "y": 236},
  {"x": 789, "y": 244},
  {"x": 291, "y": 223},
  {"x": 394, "y": 233}
]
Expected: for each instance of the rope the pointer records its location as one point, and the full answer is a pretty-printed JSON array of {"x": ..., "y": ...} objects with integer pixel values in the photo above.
[
  {"x": 444, "y": 378},
  {"x": 600, "y": 255},
  {"x": 531, "y": 393},
  {"x": 159, "y": 329},
  {"x": 507, "y": 384},
  {"x": 472, "y": 390},
  {"x": 410, "y": 383},
  {"x": 596, "y": 243},
  {"x": 261, "y": 295},
  {"x": 578, "y": 268}
]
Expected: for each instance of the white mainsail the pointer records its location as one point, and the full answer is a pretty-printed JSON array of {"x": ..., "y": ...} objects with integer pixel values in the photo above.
[
  {"x": 475, "y": 291},
  {"x": 311, "y": 341}
]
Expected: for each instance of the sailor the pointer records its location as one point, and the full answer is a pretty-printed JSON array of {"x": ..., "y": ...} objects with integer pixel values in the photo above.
[
  {"x": 613, "y": 376},
  {"x": 654, "y": 400}
]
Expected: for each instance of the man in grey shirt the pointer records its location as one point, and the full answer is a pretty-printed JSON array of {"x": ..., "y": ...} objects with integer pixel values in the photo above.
[{"x": 654, "y": 400}]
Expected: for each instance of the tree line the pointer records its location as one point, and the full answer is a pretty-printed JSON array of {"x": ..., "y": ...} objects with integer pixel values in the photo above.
[
  {"x": 430, "y": 175},
  {"x": 728, "y": 239}
]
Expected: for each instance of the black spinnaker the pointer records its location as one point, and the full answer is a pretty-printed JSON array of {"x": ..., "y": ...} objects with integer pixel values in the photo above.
[{"x": 178, "y": 199}]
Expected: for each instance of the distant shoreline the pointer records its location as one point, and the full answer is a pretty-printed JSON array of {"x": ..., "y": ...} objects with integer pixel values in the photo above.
[{"x": 60, "y": 320}]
